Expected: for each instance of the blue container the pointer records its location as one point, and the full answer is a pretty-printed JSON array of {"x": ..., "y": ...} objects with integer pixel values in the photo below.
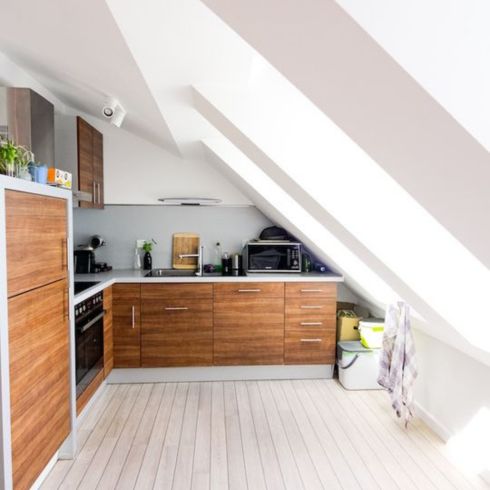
[{"x": 41, "y": 174}]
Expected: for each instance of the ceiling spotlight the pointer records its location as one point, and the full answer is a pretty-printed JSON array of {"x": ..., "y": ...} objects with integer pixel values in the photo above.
[
  {"x": 109, "y": 107},
  {"x": 113, "y": 111}
]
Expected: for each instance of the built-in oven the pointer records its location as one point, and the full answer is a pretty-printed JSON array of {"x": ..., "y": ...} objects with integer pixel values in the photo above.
[{"x": 89, "y": 340}]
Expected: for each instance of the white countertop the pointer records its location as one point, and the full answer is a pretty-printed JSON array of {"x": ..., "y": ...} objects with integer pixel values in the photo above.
[{"x": 106, "y": 279}]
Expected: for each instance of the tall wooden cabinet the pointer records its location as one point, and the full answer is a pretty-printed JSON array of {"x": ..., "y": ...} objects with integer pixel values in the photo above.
[
  {"x": 90, "y": 163},
  {"x": 38, "y": 307}
]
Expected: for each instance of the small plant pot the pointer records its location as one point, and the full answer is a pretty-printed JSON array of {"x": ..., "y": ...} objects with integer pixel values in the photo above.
[{"x": 147, "y": 261}]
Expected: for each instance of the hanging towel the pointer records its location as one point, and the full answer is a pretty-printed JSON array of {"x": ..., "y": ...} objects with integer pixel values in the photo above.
[{"x": 398, "y": 368}]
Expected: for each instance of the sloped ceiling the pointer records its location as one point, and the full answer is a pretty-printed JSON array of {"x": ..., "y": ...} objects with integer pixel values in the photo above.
[
  {"x": 443, "y": 45},
  {"x": 76, "y": 51},
  {"x": 347, "y": 75}
]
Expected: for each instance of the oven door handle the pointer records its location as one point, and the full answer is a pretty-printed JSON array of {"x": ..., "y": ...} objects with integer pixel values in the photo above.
[{"x": 91, "y": 322}]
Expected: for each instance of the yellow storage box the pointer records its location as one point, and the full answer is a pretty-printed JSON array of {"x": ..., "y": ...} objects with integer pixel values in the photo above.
[{"x": 347, "y": 325}]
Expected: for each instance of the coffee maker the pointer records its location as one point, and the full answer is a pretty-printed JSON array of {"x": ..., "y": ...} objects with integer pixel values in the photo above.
[{"x": 84, "y": 261}]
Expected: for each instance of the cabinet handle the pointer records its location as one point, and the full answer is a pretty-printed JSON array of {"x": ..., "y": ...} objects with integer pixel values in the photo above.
[
  {"x": 312, "y": 290},
  {"x": 65, "y": 304},
  {"x": 98, "y": 192},
  {"x": 172, "y": 308},
  {"x": 311, "y": 340},
  {"x": 133, "y": 320},
  {"x": 311, "y": 307},
  {"x": 311, "y": 323},
  {"x": 94, "y": 201},
  {"x": 249, "y": 290},
  {"x": 63, "y": 253}
]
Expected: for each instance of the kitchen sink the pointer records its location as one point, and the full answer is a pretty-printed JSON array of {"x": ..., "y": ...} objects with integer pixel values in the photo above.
[{"x": 171, "y": 273}]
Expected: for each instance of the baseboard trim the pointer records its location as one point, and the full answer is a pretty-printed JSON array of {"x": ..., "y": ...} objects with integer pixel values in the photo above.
[
  {"x": 218, "y": 373},
  {"x": 47, "y": 469},
  {"x": 443, "y": 432}
]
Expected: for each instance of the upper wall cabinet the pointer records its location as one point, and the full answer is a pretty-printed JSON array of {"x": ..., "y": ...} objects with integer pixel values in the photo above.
[
  {"x": 80, "y": 150},
  {"x": 90, "y": 163},
  {"x": 28, "y": 119}
]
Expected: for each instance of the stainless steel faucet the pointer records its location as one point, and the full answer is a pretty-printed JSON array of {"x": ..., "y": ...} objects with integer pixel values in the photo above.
[{"x": 199, "y": 255}]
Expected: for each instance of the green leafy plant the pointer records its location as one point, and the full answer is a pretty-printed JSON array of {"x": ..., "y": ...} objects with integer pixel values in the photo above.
[
  {"x": 8, "y": 154},
  {"x": 147, "y": 246},
  {"x": 24, "y": 157}
]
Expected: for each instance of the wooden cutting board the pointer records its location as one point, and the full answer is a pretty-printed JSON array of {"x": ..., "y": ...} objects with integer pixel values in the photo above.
[{"x": 184, "y": 243}]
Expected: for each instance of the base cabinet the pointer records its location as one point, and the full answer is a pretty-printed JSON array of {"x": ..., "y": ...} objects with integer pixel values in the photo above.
[
  {"x": 310, "y": 327},
  {"x": 221, "y": 324},
  {"x": 248, "y": 323},
  {"x": 176, "y": 325},
  {"x": 126, "y": 323}
]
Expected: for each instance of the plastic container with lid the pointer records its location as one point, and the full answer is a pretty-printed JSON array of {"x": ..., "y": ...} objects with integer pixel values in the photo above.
[
  {"x": 358, "y": 366},
  {"x": 371, "y": 331}
]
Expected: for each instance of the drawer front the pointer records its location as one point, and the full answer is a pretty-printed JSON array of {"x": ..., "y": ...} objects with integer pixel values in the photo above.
[
  {"x": 176, "y": 290},
  {"x": 309, "y": 347},
  {"x": 252, "y": 289},
  {"x": 311, "y": 290},
  {"x": 176, "y": 332},
  {"x": 299, "y": 308}
]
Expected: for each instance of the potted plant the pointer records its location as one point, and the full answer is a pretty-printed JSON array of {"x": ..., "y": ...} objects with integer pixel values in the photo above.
[
  {"x": 25, "y": 157},
  {"x": 8, "y": 157},
  {"x": 147, "y": 260}
]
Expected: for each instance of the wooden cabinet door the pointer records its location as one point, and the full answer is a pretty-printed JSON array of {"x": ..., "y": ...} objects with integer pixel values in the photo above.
[
  {"x": 126, "y": 299},
  {"x": 176, "y": 325},
  {"x": 98, "y": 165},
  {"x": 108, "y": 333},
  {"x": 85, "y": 145},
  {"x": 36, "y": 229},
  {"x": 39, "y": 378},
  {"x": 249, "y": 324}
]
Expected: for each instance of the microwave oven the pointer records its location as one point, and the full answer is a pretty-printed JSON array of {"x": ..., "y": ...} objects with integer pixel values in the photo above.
[{"x": 272, "y": 256}]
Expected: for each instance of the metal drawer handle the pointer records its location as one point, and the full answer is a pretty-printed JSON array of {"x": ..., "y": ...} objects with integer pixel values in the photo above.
[
  {"x": 307, "y": 307},
  {"x": 98, "y": 192},
  {"x": 311, "y": 340},
  {"x": 312, "y": 290},
  {"x": 249, "y": 290},
  {"x": 311, "y": 323},
  {"x": 133, "y": 320},
  {"x": 94, "y": 200},
  {"x": 172, "y": 308}
]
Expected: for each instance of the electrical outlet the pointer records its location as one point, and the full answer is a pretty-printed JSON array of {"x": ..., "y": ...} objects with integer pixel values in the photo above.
[{"x": 140, "y": 243}]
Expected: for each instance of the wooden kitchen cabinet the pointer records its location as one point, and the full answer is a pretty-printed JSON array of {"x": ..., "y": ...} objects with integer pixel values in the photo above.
[
  {"x": 176, "y": 325},
  {"x": 36, "y": 229},
  {"x": 126, "y": 323},
  {"x": 310, "y": 326},
  {"x": 39, "y": 378},
  {"x": 108, "y": 333},
  {"x": 248, "y": 323},
  {"x": 90, "y": 163}
]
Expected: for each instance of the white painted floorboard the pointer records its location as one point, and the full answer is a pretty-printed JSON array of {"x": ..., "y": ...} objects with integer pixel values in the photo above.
[{"x": 300, "y": 434}]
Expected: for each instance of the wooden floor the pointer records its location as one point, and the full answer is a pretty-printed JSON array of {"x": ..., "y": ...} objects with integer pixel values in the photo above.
[{"x": 252, "y": 435}]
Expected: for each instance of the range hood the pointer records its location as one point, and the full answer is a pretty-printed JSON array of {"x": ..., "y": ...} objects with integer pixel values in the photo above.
[{"x": 190, "y": 201}]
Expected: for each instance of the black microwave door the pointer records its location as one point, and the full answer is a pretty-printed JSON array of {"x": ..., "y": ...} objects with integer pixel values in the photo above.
[{"x": 268, "y": 257}]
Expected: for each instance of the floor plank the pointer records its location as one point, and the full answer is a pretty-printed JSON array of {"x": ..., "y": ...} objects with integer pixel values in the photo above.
[
  {"x": 237, "y": 477},
  {"x": 248, "y": 435}
]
